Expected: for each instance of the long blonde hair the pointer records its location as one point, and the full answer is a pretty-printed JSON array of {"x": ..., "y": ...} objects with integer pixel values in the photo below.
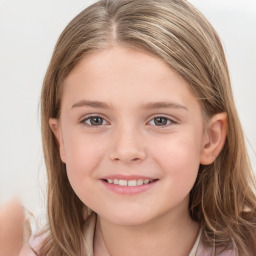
[{"x": 223, "y": 198}]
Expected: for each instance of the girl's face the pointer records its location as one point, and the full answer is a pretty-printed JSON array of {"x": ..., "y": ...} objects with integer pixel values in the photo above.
[{"x": 131, "y": 134}]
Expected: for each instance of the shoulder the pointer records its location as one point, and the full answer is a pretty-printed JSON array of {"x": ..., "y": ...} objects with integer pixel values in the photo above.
[
  {"x": 206, "y": 251},
  {"x": 27, "y": 251},
  {"x": 32, "y": 241},
  {"x": 202, "y": 250},
  {"x": 32, "y": 247}
]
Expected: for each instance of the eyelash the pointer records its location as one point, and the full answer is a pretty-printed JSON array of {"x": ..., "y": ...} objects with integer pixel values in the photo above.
[
  {"x": 167, "y": 121},
  {"x": 90, "y": 118}
]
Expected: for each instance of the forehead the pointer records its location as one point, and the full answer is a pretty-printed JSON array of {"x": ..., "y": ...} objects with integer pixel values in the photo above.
[
  {"x": 123, "y": 60},
  {"x": 126, "y": 76}
]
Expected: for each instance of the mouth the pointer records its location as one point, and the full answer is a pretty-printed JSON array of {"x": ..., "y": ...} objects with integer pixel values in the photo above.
[{"x": 129, "y": 183}]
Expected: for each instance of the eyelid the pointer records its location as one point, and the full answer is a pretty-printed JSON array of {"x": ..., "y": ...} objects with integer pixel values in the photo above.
[
  {"x": 88, "y": 116},
  {"x": 171, "y": 119}
]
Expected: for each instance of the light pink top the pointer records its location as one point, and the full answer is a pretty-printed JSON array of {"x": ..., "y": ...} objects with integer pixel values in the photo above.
[{"x": 198, "y": 249}]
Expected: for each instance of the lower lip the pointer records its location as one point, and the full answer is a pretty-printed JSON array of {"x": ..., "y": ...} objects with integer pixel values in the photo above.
[{"x": 129, "y": 190}]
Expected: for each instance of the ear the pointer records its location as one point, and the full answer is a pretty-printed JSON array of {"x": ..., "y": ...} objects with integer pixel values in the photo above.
[
  {"x": 56, "y": 129},
  {"x": 214, "y": 138}
]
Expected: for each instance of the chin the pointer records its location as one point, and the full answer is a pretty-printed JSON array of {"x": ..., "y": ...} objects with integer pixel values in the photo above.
[{"x": 131, "y": 218}]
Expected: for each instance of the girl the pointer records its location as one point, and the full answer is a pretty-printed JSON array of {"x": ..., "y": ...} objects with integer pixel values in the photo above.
[{"x": 144, "y": 150}]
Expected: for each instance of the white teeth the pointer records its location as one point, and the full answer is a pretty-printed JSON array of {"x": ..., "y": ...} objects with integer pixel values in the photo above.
[
  {"x": 130, "y": 183},
  {"x": 122, "y": 182},
  {"x": 139, "y": 182}
]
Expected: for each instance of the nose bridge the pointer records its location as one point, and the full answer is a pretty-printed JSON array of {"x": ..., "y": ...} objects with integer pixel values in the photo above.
[{"x": 127, "y": 143}]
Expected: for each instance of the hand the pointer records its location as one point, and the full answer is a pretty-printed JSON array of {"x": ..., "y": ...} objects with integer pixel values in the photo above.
[{"x": 12, "y": 220}]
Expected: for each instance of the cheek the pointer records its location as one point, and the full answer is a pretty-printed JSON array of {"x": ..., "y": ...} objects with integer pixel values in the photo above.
[
  {"x": 83, "y": 155},
  {"x": 179, "y": 158}
]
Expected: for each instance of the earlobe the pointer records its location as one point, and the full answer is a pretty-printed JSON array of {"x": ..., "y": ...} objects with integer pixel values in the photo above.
[
  {"x": 55, "y": 127},
  {"x": 214, "y": 138}
]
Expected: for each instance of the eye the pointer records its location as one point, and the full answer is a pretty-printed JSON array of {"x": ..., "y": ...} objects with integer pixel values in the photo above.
[
  {"x": 94, "y": 121},
  {"x": 161, "y": 121}
]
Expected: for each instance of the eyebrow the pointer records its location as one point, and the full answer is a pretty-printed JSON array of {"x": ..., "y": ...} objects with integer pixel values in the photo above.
[
  {"x": 150, "y": 105},
  {"x": 163, "y": 104},
  {"x": 93, "y": 104}
]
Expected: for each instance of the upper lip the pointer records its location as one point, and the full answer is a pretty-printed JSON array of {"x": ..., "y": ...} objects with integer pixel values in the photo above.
[{"x": 127, "y": 177}]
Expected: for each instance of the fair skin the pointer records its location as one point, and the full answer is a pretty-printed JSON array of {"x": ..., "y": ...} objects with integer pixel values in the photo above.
[{"x": 127, "y": 116}]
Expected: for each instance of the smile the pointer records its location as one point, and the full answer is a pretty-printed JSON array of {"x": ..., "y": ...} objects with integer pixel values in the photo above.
[{"x": 129, "y": 183}]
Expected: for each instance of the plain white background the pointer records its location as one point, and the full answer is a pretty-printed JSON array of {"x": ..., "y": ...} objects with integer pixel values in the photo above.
[{"x": 28, "y": 32}]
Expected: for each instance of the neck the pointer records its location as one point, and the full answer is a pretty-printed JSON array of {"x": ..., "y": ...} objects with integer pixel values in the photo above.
[{"x": 167, "y": 236}]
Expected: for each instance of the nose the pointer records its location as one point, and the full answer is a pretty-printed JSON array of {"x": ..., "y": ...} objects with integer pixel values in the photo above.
[{"x": 127, "y": 146}]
